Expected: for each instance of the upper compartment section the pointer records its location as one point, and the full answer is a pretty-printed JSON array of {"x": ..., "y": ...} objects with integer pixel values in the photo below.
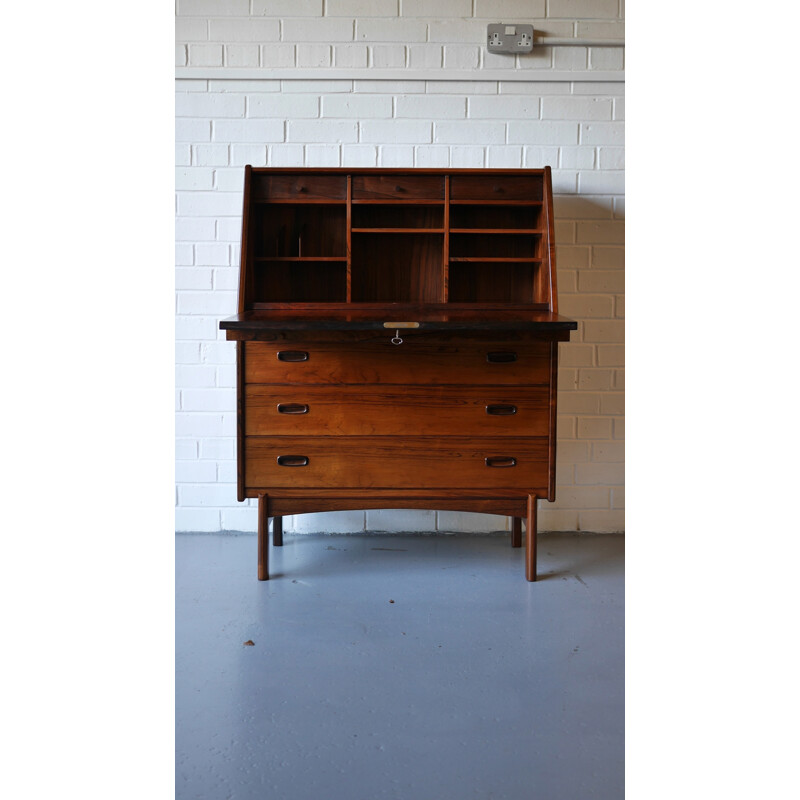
[{"x": 397, "y": 236}]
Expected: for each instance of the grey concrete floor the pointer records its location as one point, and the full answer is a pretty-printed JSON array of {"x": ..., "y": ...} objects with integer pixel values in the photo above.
[{"x": 409, "y": 667}]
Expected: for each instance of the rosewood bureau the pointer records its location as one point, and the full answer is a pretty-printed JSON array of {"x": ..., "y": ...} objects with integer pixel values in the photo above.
[{"x": 397, "y": 343}]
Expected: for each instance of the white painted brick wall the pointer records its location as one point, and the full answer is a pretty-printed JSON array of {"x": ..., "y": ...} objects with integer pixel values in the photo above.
[
  {"x": 359, "y": 155},
  {"x": 278, "y": 55},
  {"x": 388, "y": 56},
  {"x": 395, "y": 131},
  {"x": 351, "y": 55},
  {"x": 425, "y": 56},
  {"x": 313, "y": 55},
  {"x": 583, "y": 9},
  {"x": 577, "y": 128},
  {"x": 349, "y": 106},
  {"x": 362, "y": 8},
  {"x": 289, "y": 8},
  {"x": 244, "y": 30},
  {"x": 391, "y": 30}
]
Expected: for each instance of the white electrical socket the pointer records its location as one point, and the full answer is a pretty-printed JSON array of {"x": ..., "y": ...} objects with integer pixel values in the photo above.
[{"x": 506, "y": 38}]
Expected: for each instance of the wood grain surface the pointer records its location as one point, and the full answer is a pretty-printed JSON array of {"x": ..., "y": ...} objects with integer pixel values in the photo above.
[
  {"x": 370, "y": 410},
  {"x": 395, "y": 462},
  {"x": 413, "y": 362}
]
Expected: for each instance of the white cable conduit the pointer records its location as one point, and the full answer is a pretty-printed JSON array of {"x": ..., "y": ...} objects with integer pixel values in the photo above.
[
  {"x": 552, "y": 41},
  {"x": 372, "y": 74}
]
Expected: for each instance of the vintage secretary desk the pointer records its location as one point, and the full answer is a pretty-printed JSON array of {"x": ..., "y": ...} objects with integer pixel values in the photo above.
[{"x": 397, "y": 343}]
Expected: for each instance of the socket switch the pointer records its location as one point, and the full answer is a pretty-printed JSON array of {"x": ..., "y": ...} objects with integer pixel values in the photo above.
[{"x": 503, "y": 38}]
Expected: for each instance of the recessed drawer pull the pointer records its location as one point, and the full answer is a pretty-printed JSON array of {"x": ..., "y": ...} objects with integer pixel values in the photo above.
[
  {"x": 292, "y": 355},
  {"x": 501, "y": 461},
  {"x": 502, "y": 357},
  {"x": 293, "y": 408},
  {"x": 500, "y": 410},
  {"x": 292, "y": 461}
]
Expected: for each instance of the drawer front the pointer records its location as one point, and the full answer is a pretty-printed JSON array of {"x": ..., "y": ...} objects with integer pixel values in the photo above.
[
  {"x": 299, "y": 187},
  {"x": 379, "y": 361},
  {"x": 389, "y": 187},
  {"x": 407, "y": 411},
  {"x": 496, "y": 187},
  {"x": 395, "y": 463}
]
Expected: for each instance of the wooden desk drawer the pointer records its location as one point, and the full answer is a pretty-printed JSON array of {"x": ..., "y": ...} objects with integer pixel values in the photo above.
[
  {"x": 299, "y": 187},
  {"x": 395, "y": 462},
  {"x": 399, "y": 187},
  {"x": 379, "y": 361},
  {"x": 496, "y": 187},
  {"x": 407, "y": 411}
]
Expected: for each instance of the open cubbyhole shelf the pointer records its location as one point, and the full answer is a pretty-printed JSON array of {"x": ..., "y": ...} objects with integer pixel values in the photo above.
[
  {"x": 359, "y": 236},
  {"x": 306, "y": 281},
  {"x": 390, "y": 217},
  {"x": 495, "y": 218},
  {"x": 294, "y": 230},
  {"x": 398, "y": 268}
]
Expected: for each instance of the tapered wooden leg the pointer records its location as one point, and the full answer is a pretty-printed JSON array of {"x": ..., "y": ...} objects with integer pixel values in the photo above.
[
  {"x": 516, "y": 531},
  {"x": 530, "y": 539},
  {"x": 277, "y": 531},
  {"x": 263, "y": 538}
]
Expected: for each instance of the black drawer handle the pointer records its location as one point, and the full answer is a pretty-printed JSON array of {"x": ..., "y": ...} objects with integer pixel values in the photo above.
[
  {"x": 292, "y": 355},
  {"x": 501, "y": 461},
  {"x": 500, "y": 410},
  {"x": 293, "y": 408},
  {"x": 502, "y": 357},
  {"x": 292, "y": 461}
]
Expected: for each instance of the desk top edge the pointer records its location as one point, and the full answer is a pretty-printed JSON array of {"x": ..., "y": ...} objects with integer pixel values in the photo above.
[{"x": 376, "y": 317}]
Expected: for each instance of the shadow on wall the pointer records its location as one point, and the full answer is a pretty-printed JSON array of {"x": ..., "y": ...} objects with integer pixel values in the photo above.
[
  {"x": 590, "y": 472},
  {"x": 590, "y": 255}
]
